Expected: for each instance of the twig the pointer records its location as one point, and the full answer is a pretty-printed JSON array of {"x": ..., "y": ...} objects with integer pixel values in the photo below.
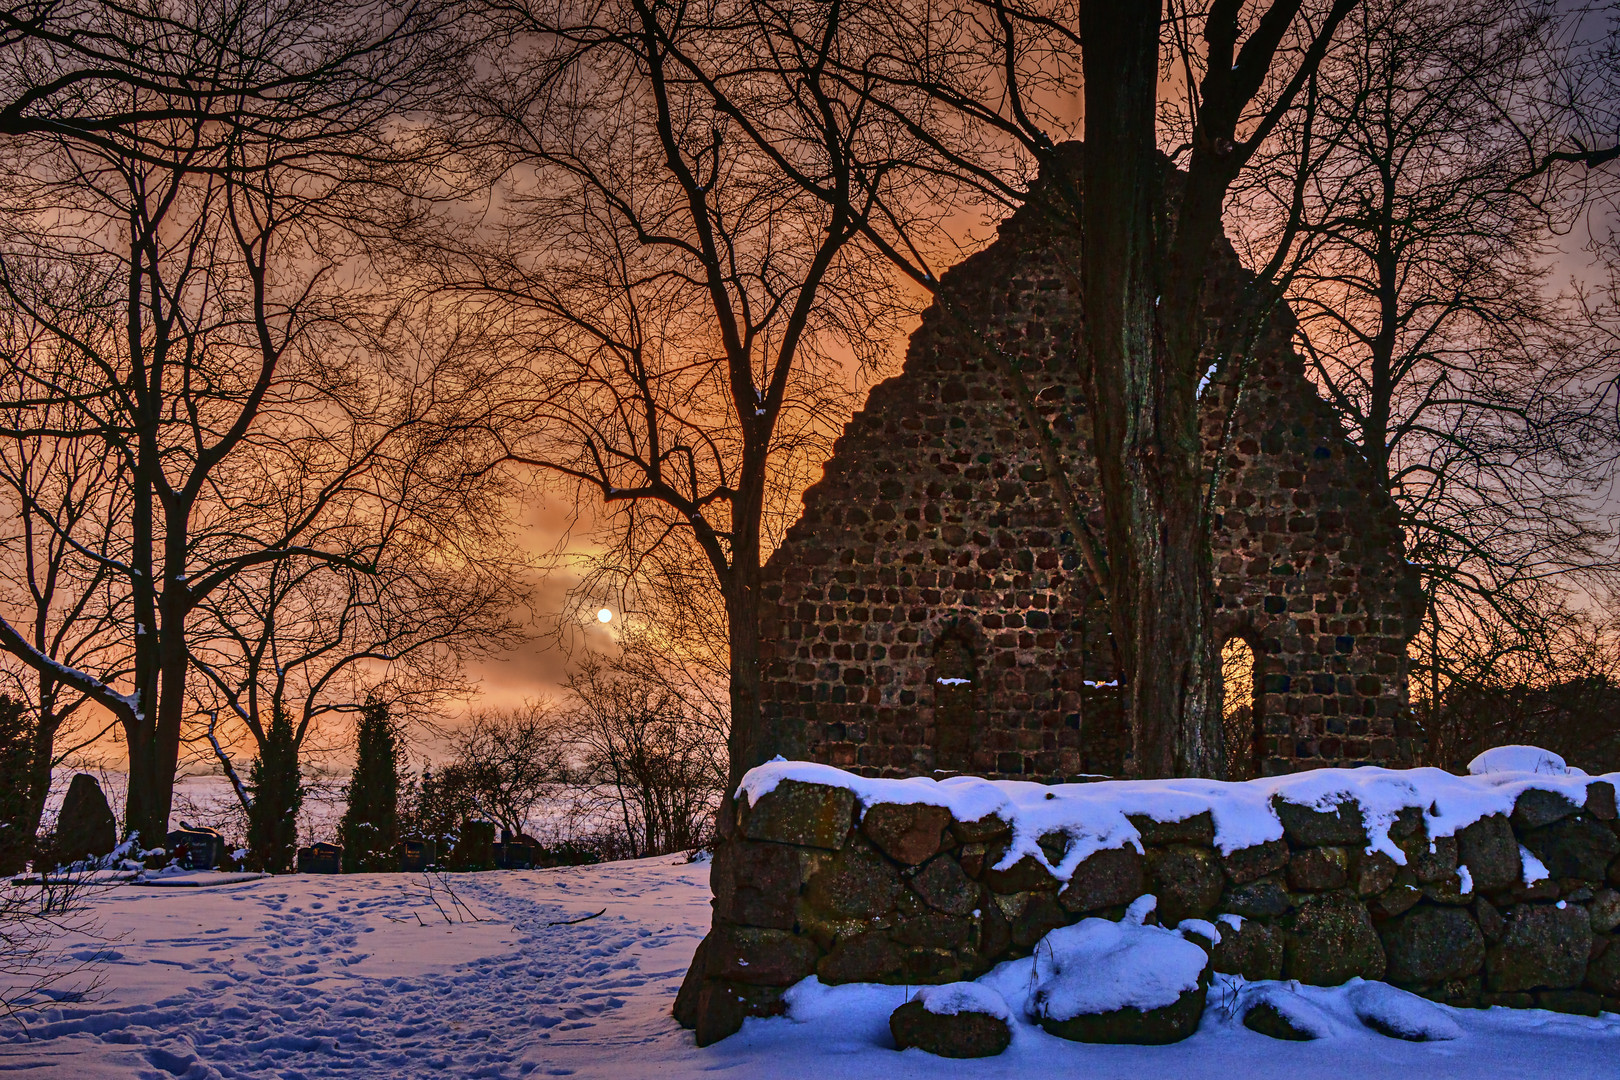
[
  {"x": 434, "y": 900},
  {"x": 457, "y": 900},
  {"x": 582, "y": 918}
]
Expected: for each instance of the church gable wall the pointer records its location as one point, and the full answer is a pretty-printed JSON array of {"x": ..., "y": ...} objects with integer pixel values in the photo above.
[{"x": 929, "y": 611}]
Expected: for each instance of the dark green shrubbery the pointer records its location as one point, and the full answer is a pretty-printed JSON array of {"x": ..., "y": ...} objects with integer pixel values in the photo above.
[
  {"x": 369, "y": 831},
  {"x": 277, "y": 793},
  {"x": 16, "y": 759},
  {"x": 436, "y": 806}
]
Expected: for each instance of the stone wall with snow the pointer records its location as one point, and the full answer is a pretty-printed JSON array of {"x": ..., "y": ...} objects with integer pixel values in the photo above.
[{"x": 1497, "y": 888}]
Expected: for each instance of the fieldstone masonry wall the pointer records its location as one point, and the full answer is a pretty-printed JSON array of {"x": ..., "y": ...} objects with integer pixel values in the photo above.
[
  {"x": 808, "y": 881},
  {"x": 930, "y": 612}
]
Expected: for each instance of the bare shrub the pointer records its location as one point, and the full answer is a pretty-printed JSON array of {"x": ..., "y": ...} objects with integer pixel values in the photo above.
[
  {"x": 47, "y": 950},
  {"x": 653, "y": 770},
  {"x": 1566, "y": 701}
]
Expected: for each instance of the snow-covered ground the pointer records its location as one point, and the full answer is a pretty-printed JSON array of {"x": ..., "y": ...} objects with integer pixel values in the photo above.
[{"x": 360, "y": 976}]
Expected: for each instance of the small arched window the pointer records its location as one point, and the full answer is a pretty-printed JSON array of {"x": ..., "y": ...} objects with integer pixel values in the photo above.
[
  {"x": 955, "y": 701},
  {"x": 1240, "y": 714}
]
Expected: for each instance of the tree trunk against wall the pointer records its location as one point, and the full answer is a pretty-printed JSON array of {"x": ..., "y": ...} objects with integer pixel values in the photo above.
[
  {"x": 754, "y": 738},
  {"x": 1144, "y": 406}
]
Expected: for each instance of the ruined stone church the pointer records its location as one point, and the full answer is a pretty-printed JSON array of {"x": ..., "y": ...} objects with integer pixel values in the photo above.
[{"x": 929, "y": 612}]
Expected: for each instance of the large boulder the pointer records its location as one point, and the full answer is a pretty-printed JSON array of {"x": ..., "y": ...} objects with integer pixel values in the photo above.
[
  {"x": 1574, "y": 1002},
  {"x": 1246, "y": 864},
  {"x": 1371, "y": 872},
  {"x": 981, "y": 830},
  {"x": 1431, "y": 859},
  {"x": 1198, "y": 829},
  {"x": 795, "y": 812},
  {"x": 1400, "y": 1015},
  {"x": 957, "y": 1020},
  {"x": 1395, "y": 900},
  {"x": 856, "y": 883},
  {"x": 759, "y": 957},
  {"x": 873, "y": 957},
  {"x": 686, "y": 998},
  {"x": 1187, "y": 881},
  {"x": 1268, "y": 1020},
  {"x": 878, "y": 957},
  {"x": 1119, "y": 982},
  {"x": 1491, "y": 923},
  {"x": 1491, "y": 852},
  {"x": 1543, "y": 947},
  {"x": 755, "y": 884},
  {"x": 1307, "y": 827},
  {"x": 943, "y": 886},
  {"x": 1319, "y": 869},
  {"x": 1141, "y": 1027},
  {"x": 1021, "y": 875},
  {"x": 1108, "y": 878},
  {"x": 909, "y": 833},
  {"x": 1603, "y": 973},
  {"x": 1604, "y": 911},
  {"x": 722, "y": 1006},
  {"x": 1277, "y": 1012},
  {"x": 1432, "y": 944},
  {"x": 1031, "y": 916},
  {"x": 922, "y": 925},
  {"x": 1330, "y": 940},
  {"x": 1263, "y": 899},
  {"x": 1250, "y": 949},
  {"x": 1600, "y": 800},
  {"x": 85, "y": 828},
  {"x": 1535, "y": 809},
  {"x": 1573, "y": 847}
]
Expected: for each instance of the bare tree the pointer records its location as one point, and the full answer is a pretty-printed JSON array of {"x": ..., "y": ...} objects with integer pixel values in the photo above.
[
  {"x": 512, "y": 762},
  {"x": 61, "y": 500},
  {"x": 216, "y": 219},
  {"x": 440, "y": 584},
  {"x": 686, "y": 305},
  {"x": 1429, "y": 182},
  {"x": 1562, "y": 697}
]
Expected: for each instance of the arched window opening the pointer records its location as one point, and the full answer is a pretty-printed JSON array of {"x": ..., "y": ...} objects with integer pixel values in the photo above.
[
  {"x": 1240, "y": 715},
  {"x": 955, "y": 702}
]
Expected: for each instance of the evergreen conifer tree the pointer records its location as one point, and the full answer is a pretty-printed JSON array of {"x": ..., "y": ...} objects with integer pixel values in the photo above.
[
  {"x": 16, "y": 756},
  {"x": 369, "y": 831},
  {"x": 277, "y": 795}
]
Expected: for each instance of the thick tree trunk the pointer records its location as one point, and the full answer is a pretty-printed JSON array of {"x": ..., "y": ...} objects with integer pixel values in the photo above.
[
  {"x": 1144, "y": 409},
  {"x": 140, "y": 810},
  {"x": 176, "y": 661},
  {"x": 1175, "y": 690},
  {"x": 752, "y": 741}
]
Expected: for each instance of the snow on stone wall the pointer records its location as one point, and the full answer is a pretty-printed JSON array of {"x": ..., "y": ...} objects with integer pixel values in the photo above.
[{"x": 1491, "y": 889}]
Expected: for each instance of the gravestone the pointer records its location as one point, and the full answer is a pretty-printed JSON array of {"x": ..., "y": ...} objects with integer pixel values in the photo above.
[
  {"x": 320, "y": 858},
  {"x": 86, "y": 828},
  {"x": 196, "y": 847}
]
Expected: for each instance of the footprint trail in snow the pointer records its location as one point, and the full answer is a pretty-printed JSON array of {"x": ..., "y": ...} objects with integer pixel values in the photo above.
[{"x": 315, "y": 977}]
